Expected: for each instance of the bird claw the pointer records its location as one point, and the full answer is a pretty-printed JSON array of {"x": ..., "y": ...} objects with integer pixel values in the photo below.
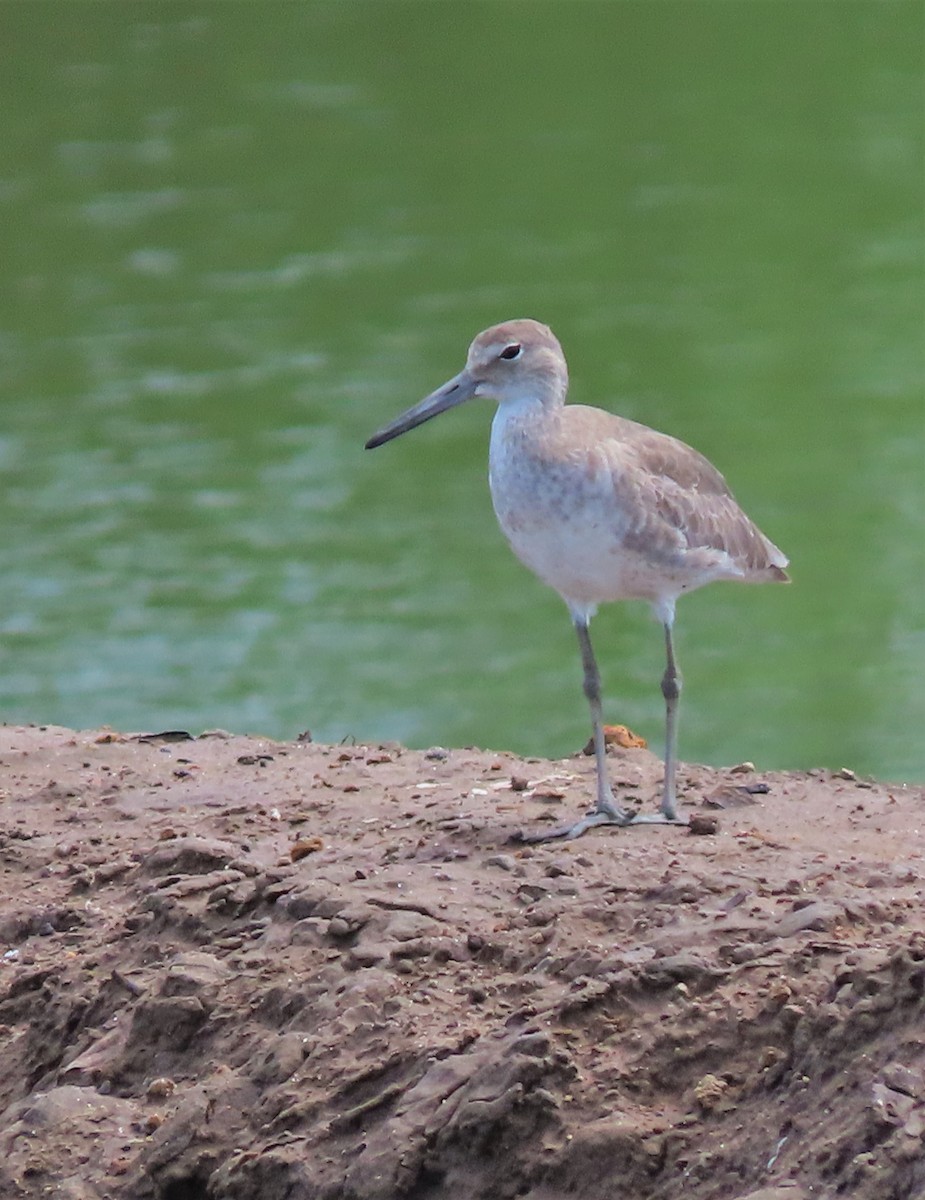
[{"x": 618, "y": 817}]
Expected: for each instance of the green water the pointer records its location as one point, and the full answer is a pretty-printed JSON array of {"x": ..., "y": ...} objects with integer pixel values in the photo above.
[{"x": 237, "y": 238}]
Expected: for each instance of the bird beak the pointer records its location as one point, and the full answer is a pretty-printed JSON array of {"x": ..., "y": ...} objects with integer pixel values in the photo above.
[{"x": 455, "y": 391}]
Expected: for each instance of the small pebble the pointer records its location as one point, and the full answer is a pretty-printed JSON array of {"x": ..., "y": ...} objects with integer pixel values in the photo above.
[
  {"x": 702, "y": 825},
  {"x": 160, "y": 1089},
  {"x": 305, "y": 846},
  {"x": 506, "y": 862}
]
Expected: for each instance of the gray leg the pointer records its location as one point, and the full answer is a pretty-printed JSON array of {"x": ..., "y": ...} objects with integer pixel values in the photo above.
[
  {"x": 671, "y": 690},
  {"x": 606, "y": 811},
  {"x": 592, "y": 690}
]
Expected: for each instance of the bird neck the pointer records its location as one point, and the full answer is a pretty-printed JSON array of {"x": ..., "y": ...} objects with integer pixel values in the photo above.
[
  {"x": 538, "y": 405},
  {"x": 526, "y": 425}
]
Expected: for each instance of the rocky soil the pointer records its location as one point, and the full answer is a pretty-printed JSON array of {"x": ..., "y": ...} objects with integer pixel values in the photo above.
[{"x": 233, "y": 969}]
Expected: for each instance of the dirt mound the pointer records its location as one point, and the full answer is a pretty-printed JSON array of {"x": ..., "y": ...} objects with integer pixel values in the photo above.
[{"x": 242, "y": 970}]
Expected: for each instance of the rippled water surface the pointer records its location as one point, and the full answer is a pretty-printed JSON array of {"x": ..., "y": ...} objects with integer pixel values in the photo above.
[{"x": 236, "y": 240}]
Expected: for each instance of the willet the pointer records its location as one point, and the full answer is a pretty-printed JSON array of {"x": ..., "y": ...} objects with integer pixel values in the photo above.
[{"x": 600, "y": 508}]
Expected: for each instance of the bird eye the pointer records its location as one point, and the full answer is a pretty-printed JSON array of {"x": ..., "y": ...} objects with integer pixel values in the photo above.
[{"x": 511, "y": 352}]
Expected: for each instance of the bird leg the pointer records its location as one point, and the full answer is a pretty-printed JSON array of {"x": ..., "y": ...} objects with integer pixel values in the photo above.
[
  {"x": 671, "y": 690},
  {"x": 607, "y": 811},
  {"x": 606, "y": 805}
]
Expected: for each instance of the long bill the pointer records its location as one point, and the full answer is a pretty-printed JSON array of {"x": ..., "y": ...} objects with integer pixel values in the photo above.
[{"x": 455, "y": 391}]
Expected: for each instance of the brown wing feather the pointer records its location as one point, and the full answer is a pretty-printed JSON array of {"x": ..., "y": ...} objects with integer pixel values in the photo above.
[{"x": 685, "y": 510}]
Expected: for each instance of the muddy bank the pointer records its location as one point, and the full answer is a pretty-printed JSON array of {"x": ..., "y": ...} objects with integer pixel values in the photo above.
[{"x": 246, "y": 970}]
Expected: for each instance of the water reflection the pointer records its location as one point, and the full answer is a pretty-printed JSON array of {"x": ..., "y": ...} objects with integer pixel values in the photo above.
[{"x": 231, "y": 248}]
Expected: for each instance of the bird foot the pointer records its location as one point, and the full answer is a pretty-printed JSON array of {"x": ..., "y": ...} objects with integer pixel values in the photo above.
[{"x": 600, "y": 816}]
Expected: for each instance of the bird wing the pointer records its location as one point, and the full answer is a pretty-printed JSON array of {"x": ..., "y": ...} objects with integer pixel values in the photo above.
[{"x": 683, "y": 509}]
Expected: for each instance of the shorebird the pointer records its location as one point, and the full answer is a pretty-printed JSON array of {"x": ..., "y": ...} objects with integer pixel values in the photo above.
[{"x": 600, "y": 508}]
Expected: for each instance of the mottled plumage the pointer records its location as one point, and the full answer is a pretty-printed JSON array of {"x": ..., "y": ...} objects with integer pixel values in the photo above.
[{"x": 600, "y": 508}]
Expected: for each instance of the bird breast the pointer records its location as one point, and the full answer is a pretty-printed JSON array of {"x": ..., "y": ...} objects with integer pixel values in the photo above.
[{"x": 564, "y": 514}]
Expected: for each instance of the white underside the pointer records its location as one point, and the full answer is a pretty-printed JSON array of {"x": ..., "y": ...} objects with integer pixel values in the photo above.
[{"x": 590, "y": 567}]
